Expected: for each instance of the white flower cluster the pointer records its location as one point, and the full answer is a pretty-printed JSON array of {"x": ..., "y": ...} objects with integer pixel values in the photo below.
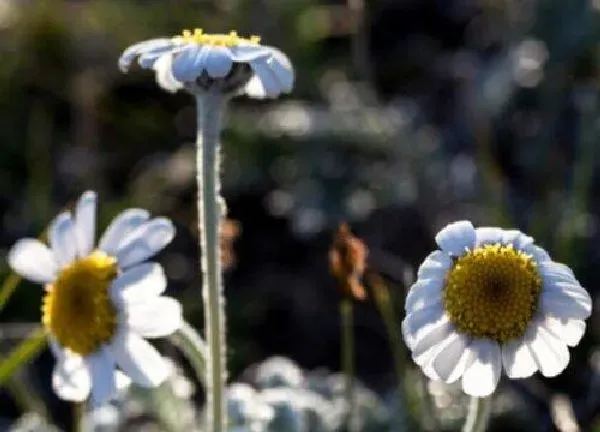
[{"x": 285, "y": 398}]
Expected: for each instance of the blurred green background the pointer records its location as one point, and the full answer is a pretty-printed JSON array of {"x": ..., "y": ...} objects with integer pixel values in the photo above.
[{"x": 406, "y": 114}]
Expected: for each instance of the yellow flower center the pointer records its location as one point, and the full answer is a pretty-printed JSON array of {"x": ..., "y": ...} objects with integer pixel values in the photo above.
[
  {"x": 492, "y": 292},
  {"x": 201, "y": 38},
  {"x": 77, "y": 309}
]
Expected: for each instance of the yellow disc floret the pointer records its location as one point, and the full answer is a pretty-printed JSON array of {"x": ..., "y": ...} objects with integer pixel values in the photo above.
[
  {"x": 77, "y": 309},
  {"x": 492, "y": 292},
  {"x": 201, "y": 38}
]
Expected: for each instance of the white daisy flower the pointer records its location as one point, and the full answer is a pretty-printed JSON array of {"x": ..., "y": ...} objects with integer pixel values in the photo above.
[
  {"x": 100, "y": 302},
  {"x": 198, "y": 61},
  {"x": 490, "y": 299}
]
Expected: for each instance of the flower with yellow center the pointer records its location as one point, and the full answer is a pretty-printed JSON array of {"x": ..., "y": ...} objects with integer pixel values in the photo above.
[
  {"x": 228, "y": 63},
  {"x": 101, "y": 302},
  {"x": 488, "y": 300}
]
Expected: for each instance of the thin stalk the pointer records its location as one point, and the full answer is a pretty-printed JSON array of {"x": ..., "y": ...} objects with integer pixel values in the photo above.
[
  {"x": 23, "y": 353},
  {"x": 210, "y": 107},
  {"x": 347, "y": 321},
  {"x": 8, "y": 288},
  {"x": 388, "y": 314},
  {"x": 429, "y": 418},
  {"x": 27, "y": 400},
  {"x": 193, "y": 348},
  {"x": 78, "y": 416},
  {"x": 478, "y": 416}
]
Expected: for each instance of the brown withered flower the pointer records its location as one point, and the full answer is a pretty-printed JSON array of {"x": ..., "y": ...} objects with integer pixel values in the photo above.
[
  {"x": 230, "y": 231},
  {"x": 348, "y": 261}
]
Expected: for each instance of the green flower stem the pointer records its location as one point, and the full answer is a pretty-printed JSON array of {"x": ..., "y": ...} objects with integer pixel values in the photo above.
[
  {"x": 193, "y": 348},
  {"x": 388, "y": 314},
  {"x": 78, "y": 409},
  {"x": 25, "y": 352},
  {"x": 347, "y": 321},
  {"x": 478, "y": 416},
  {"x": 25, "y": 398},
  {"x": 8, "y": 288},
  {"x": 210, "y": 107}
]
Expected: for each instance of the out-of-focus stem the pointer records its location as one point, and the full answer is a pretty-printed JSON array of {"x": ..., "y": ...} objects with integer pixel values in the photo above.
[
  {"x": 347, "y": 322},
  {"x": 79, "y": 416},
  {"x": 479, "y": 413},
  {"x": 193, "y": 347},
  {"x": 388, "y": 314},
  {"x": 24, "y": 353}
]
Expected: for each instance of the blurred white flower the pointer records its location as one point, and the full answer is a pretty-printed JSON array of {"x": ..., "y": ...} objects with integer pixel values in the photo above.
[
  {"x": 247, "y": 411},
  {"x": 491, "y": 299},
  {"x": 278, "y": 372},
  {"x": 297, "y": 409},
  {"x": 100, "y": 303},
  {"x": 198, "y": 61}
]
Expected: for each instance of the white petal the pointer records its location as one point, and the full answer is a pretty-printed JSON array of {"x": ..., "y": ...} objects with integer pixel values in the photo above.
[
  {"x": 538, "y": 254},
  {"x": 456, "y": 238},
  {"x": 436, "y": 264},
  {"x": 33, "y": 260},
  {"x": 250, "y": 52},
  {"x": 103, "y": 373},
  {"x": 254, "y": 88},
  {"x": 268, "y": 80},
  {"x": 145, "y": 242},
  {"x": 452, "y": 360},
  {"x": 435, "y": 335},
  {"x": 550, "y": 353},
  {"x": 138, "y": 284},
  {"x": 282, "y": 68},
  {"x": 158, "y": 317},
  {"x": 568, "y": 330},
  {"x": 218, "y": 62},
  {"x": 71, "y": 378},
  {"x": 85, "y": 222},
  {"x": 488, "y": 235},
  {"x": 189, "y": 63},
  {"x": 164, "y": 74},
  {"x": 555, "y": 272},
  {"x": 424, "y": 293},
  {"x": 142, "y": 47},
  {"x": 566, "y": 304},
  {"x": 147, "y": 60},
  {"x": 517, "y": 359},
  {"x": 63, "y": 239},
  {"x": 418, "y": 321},
  {"x": 120, "y": 227},
  {"x": 123, "y": 382},
  {"x": 516, "y": 238},
  {"x": 139, "y": 360},
  {"x": 58, "y": 351},
  {"x": 481, "y": 377}
]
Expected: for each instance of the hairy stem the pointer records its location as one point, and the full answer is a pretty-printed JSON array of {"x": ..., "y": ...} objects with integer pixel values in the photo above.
[
  {"x": 479, "y": 413},
  {"x": 210, "y": 106}
]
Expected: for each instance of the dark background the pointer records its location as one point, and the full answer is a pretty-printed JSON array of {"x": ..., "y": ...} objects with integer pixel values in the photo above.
[{"x": 406, "y": 115}]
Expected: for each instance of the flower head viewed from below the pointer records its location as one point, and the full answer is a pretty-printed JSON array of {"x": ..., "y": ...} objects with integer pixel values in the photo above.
[
  {"x": 488, "y": 300},
  {"x": 227, "y": 63},
  {"x": 101, "y": 302}
]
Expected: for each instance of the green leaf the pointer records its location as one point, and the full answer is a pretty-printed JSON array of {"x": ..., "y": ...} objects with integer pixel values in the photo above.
[{"x": 24, "y": 353}]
